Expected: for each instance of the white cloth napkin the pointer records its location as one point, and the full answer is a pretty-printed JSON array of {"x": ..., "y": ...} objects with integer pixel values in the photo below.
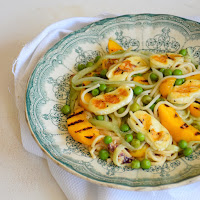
[{"x": 74, "y": 187}]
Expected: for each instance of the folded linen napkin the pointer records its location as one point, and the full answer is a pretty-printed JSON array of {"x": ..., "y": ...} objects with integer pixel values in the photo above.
[{"x": 74, "y": 187}]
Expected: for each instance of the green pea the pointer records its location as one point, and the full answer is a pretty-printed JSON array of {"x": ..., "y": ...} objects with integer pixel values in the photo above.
[
  {"x": 100, "y": 117},
  {"x": 135, "y": 143},
  {"x": 178, "y": 82},
  {"x": 183, "y": 52},
  {"x": 124, "y": 127},
  {"x": 182, "y": 144},
  {"x": 146, "y": 99},
  {"x": 154, "y": 77},
  {"x": 81, "y": 67},
  {"x": 89, "y": 64},
  {"x": 96, "y": 59},
  {"x": 177, "y": 72},
  {"x": 95, "y": 92},
  {"x": 121, "y": 110},
  {"x": 135, "y": 164},
  {"x": 183, "y": 79},
  {"x": 159, "y": 99},
  {"x": 107, "y": 139},
  {"x": 138, "y": 90},
  {"x": 128, "y": 137},
  {"x": 196, "y": 66},
  {"x": 140, "y": 137},
  {"x": 102, "y": 87},
  {"x": 187, "y": 151},
  {"x": 109, "y": 89},
  {"x": 103, "y": 73},
  {"x": 145, "y": 164},
  {"x": 134, "y": 107},
  {"x": 167, "y": 72},
  {"x": 66, "y": 109},
  {"x": 162, "y": 70},
  {"x": 152, "y": 107},
  {"x": 103, "y": 154}
]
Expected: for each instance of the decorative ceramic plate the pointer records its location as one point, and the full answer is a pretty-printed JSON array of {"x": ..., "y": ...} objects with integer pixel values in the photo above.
[{"x": 48, "y": 91}]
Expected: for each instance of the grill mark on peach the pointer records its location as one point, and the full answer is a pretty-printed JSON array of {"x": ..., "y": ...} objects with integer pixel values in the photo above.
[
  {"x": 84, "y": 129},
  {"x": 76, "y": 122},
  {"x": 197, "y": 108},
  {"x": 184, "y": 126},
  {"x": 145, "y": 81},
  {"x": 89, "y": 137},
  {"x": 75, "y": 114}
]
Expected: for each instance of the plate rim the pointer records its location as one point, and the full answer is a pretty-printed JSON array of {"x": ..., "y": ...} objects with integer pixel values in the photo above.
[
  {"x": 86, "y": 27},
  {"x": 98, "y": 182}
]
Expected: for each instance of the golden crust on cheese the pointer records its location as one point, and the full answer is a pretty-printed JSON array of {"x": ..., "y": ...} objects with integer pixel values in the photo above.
[
  {"x": 156, "y": 135},
  {"x": 110, "y": 102}
]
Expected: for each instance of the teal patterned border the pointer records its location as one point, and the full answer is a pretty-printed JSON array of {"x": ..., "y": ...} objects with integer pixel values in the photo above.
[{"x": 39, "y": 97}]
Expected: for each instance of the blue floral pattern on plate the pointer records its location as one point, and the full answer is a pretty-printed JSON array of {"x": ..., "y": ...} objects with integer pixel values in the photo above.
[{"x": 48, "y": 91}]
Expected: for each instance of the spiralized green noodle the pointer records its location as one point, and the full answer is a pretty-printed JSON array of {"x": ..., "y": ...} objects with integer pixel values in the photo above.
[
  {"x": 107, "y": 125},
  {"x": 107, "y": 82},
  {"x": 136, "y": 72},
  {"x": 85, "y": 71},
  {"x": 127, "y": 54},
  {"x": 73, "y": 97}
]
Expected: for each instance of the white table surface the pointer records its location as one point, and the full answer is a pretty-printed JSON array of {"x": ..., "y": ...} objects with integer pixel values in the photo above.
[{"x": 23, "y": 175}]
